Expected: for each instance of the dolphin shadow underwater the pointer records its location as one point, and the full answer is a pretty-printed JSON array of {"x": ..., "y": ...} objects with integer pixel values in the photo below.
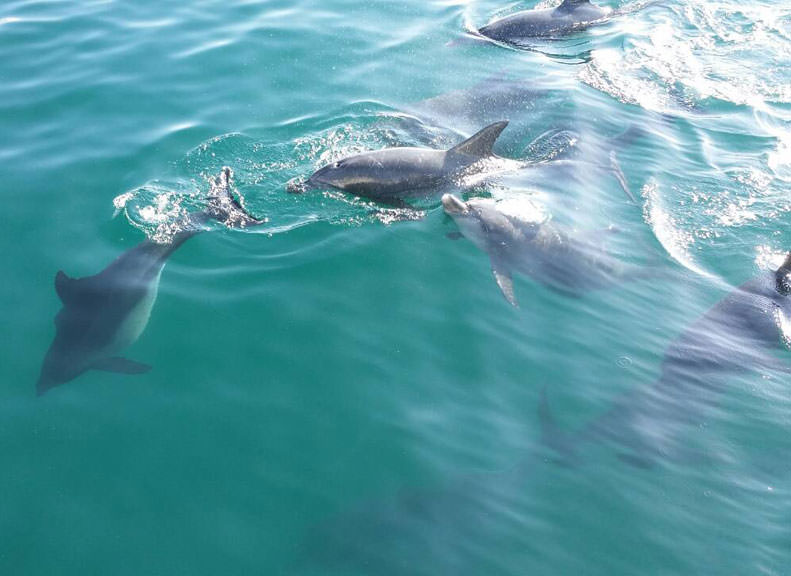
[
  {"x": 393, "y": 175},
  {"x": 107, "y": 312},
  {"x": 743, "y": 332}
]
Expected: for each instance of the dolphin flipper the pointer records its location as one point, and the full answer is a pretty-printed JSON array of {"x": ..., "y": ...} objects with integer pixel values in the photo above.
[
  {"x": 504, "y": 279},
  {"x": 481, "y": 143},
  {"x": 621, "y": 177},
  {"x": 121, "y": 366}
]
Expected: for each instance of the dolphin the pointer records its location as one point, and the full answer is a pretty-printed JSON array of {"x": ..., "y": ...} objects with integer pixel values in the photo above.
[
  {"x": 743, "y": 332},
  {"x": 392, "y": 174},
  {"x": 517, "y": 237},
  {"x": 451, "y": 526},
  {"x": 570, "y": 16},
  {"x": 107, "y": 312}
]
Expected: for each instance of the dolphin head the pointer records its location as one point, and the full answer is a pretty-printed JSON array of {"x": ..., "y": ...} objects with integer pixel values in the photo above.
[
  {"x": 69, "y": 355},
  {"x": 454, "y": 207},
  {"x": 57, "y": 368},
  {"x": 47, "y": 380},
  {"x": 343, "y": 174},
  {"x": 467, "y": 218}
]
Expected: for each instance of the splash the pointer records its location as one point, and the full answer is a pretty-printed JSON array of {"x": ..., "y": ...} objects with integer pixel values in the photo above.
[
  {"x": 487, "y": 169},
  {"x": 521, "y": 207},
  {"x": 670, "y": 235},
  {"x": 550, "y": 145},
  {"x": 672, "y": 61},
  {"x": 769, "y": 258},
  {"x": 159, "y": 210}
]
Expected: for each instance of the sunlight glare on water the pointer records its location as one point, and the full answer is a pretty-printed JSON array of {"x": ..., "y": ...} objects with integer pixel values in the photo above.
[{"x": 344, "y": 386}]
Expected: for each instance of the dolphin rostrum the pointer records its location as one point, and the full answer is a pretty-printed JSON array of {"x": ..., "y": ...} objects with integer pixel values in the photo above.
[
  {"x": 570, "y": 16},
  {"x": 394, "y": 173},
  {"x": 517, "y": 240},
  {"x": 107, "y": 312},
  {"x": 742, "y": 332}
]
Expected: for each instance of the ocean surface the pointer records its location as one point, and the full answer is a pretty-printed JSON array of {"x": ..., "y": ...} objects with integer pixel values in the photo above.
[{"x": 344, "y": 390}]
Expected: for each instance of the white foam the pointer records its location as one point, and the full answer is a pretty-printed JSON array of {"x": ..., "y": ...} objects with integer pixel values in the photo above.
[{"x": 673, "y": 239}]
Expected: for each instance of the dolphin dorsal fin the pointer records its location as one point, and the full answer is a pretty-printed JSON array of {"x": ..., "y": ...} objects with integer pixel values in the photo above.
[
  {"x": 69, "y": 289},
  {"x": 480, "y": 144}
]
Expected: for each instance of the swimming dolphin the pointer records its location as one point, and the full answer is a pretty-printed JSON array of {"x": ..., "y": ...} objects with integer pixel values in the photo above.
[
  {"x": 107, "y": 312},
  {"x": 517, "y": 239},
  {"x": 742, "y": 332},
  {"x": 394, "y": 173},
  {"x": 452, "y": 526},
  {"x": 570, "y": 16}
]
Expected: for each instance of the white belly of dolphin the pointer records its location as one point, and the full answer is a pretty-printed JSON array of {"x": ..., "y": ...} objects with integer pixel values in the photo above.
[{"x": 136, "y": 320}]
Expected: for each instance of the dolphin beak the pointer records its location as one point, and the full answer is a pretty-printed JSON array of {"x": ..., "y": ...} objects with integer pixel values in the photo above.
[
  {"x": 316, "y": 180},
  {"x": 453, "y": 205},
  {"x": 299, "y": 185}
]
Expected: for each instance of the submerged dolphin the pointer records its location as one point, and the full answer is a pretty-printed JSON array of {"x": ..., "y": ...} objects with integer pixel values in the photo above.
[
  {"x": 516, "y": 240},
  {"x": 742, "y": 332},
  {"x": 105, "y": 313},
  {"x": 394, "y": 173},
  {"x": 570, "y": 16}
]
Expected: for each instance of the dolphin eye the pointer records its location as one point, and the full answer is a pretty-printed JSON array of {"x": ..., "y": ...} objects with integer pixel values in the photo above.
[{"x": 337, "y": 164}]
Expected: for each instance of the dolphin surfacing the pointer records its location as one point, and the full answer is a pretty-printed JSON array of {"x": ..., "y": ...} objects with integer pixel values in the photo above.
[
  {"x": 107, "y": 312},
  {"x": 569, "y": 17},
  {"x": 393, "y": 173},
  {"x": 518, "y": 241}
]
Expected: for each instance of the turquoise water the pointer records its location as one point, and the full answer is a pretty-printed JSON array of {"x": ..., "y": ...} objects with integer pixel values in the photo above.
[{"x": 344, "y": 390}]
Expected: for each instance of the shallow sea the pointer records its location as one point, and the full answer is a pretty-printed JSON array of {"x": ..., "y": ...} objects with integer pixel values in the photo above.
[{"x": 344, "y": 390}]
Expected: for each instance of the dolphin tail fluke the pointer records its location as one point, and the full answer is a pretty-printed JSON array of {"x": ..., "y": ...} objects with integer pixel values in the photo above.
[
  {"x": 481, "y": 143},
  {"x": 224, "y": 207}
]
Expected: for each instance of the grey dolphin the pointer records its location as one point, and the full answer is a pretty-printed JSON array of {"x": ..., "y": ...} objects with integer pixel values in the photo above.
[
  {"x": 742, "y": 332},
  {"x": 518, "y": 241},
  {"x": 107, "y": 312},
  {"x": 394, "y": 173},
  {"x": 570, "y": 16}
]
